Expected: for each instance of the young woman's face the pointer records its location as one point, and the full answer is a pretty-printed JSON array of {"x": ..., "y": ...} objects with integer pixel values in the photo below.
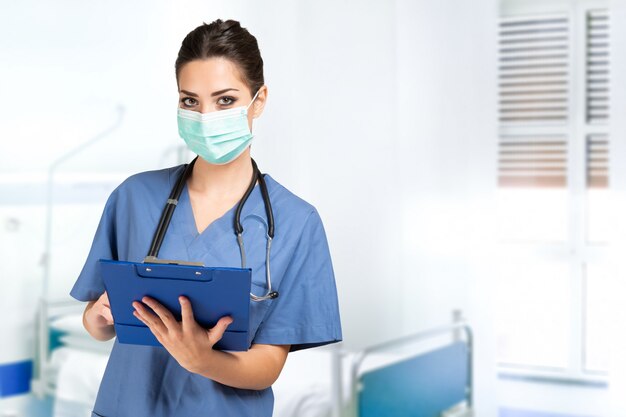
[{"x": 214, "y": 84}]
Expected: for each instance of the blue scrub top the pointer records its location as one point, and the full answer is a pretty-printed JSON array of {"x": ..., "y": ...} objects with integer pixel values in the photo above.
[{"x": 147, "y": 381}]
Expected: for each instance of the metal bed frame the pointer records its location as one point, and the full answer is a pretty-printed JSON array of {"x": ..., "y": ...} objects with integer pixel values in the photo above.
[
  {"x": 459, "y": 331},
  {"x": 41, "y": 384}
]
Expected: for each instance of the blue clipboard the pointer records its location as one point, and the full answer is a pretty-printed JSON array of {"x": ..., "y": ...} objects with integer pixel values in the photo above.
[{"x": 213, "y": 292}]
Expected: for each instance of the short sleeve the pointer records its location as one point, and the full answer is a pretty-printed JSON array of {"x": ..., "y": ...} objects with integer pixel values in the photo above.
[
  {"x": 89, "y": 285},
  {"x": 306, "y": 312}
]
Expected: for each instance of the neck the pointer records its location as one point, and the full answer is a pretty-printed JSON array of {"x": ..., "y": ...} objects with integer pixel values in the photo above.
[{"x": 222, "y": 180}]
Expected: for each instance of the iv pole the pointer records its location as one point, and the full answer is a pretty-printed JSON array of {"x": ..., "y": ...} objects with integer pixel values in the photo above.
[{"x": 50, "y": 188}]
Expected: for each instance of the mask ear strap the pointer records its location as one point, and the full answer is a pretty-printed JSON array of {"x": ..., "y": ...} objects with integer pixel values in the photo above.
[{"x": 254, "y": 98}]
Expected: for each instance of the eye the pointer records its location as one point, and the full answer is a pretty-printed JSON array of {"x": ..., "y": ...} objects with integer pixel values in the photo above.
[
  {"x": 188, "y": 101},
  {"x": 228, "y": 102}
]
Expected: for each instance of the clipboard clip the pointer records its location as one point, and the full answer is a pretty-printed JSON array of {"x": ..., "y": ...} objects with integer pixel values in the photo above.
[{"x": 155, "y": 260}]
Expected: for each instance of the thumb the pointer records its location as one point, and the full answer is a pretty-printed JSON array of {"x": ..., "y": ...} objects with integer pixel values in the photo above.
[{"x": 216, "y": 333}]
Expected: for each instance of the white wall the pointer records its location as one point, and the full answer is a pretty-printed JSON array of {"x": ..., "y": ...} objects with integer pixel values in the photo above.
[
  {"x": 69, "y": 64},
  {"x": 344, "y": 145},
  {"x": 446, "y": 147},
  {"x": 446, "y": 154}
]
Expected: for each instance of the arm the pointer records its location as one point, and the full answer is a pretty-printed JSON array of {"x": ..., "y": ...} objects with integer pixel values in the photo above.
[
  {"x": 192, "y": 346},
  {"x": 258, "y": 368},
  {"x": 98, "y": 320}
]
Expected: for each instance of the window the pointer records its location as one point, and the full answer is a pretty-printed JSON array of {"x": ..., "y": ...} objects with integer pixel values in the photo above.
[{"x": 553, "y": 177}]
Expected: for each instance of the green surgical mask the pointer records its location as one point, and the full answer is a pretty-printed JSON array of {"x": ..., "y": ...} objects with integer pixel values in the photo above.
[{"x": 218, "y": 137}]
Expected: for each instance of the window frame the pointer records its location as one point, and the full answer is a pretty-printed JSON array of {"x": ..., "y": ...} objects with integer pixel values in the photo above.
[{"x": 576, "y": 249}]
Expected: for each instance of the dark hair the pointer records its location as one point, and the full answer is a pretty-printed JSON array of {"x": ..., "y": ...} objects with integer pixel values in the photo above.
[{"x": 225, "y": 39}]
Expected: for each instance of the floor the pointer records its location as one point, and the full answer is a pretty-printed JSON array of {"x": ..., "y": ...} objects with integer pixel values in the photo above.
[
  {"x": 517, "y": 399},
  {"x": 511, "y": 412},
  {"x": 524, "y": 398},
  {"x": 25, "y": 406}
]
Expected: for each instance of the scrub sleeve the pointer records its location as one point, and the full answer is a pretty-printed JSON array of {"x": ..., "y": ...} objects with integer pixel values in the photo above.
[
  {"x": 306, "y": 313},
  {"x": 89, "y": 285}
]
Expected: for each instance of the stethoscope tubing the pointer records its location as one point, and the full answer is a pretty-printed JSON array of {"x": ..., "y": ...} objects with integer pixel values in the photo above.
[{"x": 172, "y": 202}]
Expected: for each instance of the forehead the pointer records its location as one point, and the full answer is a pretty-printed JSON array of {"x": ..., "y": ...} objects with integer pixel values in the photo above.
[{"x": 211, "y": 74}]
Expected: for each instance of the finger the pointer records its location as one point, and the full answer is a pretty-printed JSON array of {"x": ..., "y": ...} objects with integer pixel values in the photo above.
[
  {"x": 156, "y": 333},
  {"x": 186, "y": 311},
  {"x": 151, "y": 320},
  {"x": 150, "y": 326},
  {"x": 164, "y": 314},
  {"x": 216, "y": 333}
]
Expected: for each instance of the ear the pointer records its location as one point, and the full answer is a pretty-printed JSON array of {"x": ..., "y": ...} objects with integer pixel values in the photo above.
[{"x": 259, "y": 103}]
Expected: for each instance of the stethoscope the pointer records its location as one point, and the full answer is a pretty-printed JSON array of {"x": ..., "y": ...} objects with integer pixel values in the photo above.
[{"x": 172, "y": 202}]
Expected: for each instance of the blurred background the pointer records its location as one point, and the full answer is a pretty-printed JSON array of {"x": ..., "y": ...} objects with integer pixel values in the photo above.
[{"x": 467, "y": 159}]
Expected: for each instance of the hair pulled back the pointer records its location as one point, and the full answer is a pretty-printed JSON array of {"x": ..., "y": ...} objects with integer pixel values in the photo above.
[{"x": 226, "y": 39}]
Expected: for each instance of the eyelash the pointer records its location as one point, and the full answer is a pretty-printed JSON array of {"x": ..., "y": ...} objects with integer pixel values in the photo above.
[
  {"x": 231, "y": 100},
  {"x": 183, "y": 100}
]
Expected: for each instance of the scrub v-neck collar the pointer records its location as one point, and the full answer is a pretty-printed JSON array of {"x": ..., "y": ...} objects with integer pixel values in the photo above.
[{"x": 222, "y": 227}]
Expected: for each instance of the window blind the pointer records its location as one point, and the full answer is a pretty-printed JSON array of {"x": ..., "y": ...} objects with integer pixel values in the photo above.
[
  {"x": 533, "y": 69},
  {"x": 597, "y": 103}
]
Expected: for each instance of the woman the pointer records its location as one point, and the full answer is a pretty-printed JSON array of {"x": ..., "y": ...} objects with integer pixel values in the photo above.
[{"x": 219, "y": 73}]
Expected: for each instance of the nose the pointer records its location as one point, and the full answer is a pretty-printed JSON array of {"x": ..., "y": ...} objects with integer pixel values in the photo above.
[{"x": 207, "y": 107}]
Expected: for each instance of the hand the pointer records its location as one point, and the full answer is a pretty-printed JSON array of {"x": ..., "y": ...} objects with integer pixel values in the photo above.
[
  {"x": 189, "y": 343},
  {"x": 100, "y": 313}
]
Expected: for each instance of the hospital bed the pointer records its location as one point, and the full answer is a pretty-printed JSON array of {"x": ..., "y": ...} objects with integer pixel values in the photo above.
[
  {"x": 68, "y": 363},
  {"x": 437, "y": 381},
  {"x": 426, "y": 374}
]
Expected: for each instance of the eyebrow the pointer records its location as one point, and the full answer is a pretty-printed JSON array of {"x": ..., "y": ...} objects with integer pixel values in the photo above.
[{"x": 217, "y": 93}]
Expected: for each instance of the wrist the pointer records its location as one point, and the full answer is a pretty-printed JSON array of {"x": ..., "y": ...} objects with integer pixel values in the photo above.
[{"x": 204, "y": 363}]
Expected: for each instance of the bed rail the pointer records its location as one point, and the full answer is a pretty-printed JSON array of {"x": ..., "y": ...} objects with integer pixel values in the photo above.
[
  {"x": 41, "y": 385},
  {"x": 461, "y": 342}
]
